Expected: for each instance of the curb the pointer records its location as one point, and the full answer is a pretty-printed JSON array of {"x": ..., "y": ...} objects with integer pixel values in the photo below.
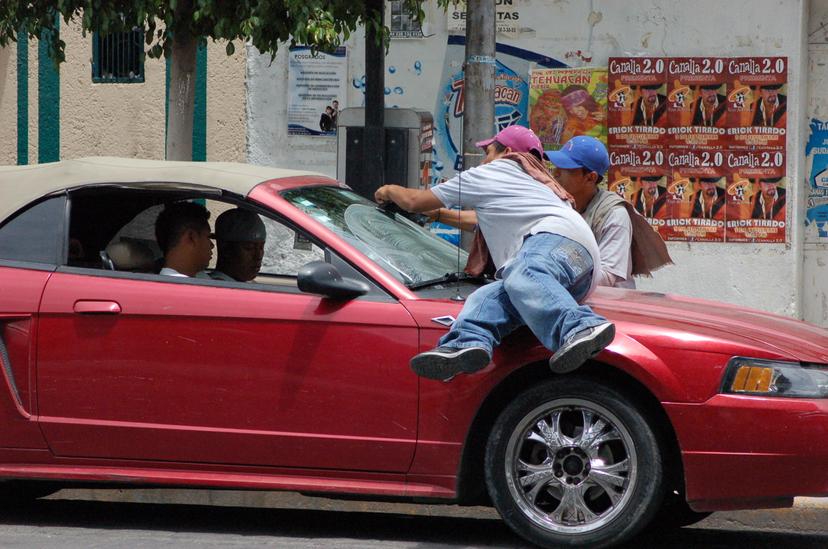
[{"x": 240, "y": 498}]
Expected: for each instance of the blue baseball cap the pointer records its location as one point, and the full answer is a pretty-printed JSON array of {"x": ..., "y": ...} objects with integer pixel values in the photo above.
[{"x": 581, "y": 152}]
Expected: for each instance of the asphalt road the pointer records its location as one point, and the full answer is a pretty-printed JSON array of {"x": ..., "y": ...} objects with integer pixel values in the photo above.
[{"x": 293, "y": 522}]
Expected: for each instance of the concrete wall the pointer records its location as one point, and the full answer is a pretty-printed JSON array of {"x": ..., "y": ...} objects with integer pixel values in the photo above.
[
  {"x": 8, "y": 104},
  {"x": 767, "y": 276},
  {"x": 815, "y": 264},
  {"x": 226, "y": 104},
  {"x": 108, "y": 119},
  {"x": 119, "y": 119}
]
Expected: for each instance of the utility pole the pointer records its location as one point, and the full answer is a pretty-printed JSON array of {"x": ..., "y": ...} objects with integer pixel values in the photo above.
[
  {"x": 479, "y": 83},
  {"x": 373, "y": 152}
]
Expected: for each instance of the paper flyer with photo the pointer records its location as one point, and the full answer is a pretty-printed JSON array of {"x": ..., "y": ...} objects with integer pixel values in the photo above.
[
  {"x": 564, "y": 103},
  {"x": 317, "y": 84},
  {"x": 695, "y": 195},
  {"x": 637, "y": 101},
  {"x": 816, "y": 213},
  {"x": 639, "y": 176},
  {"x": 756, "y": 205},
  {"x": 757, "y": 102},
  {"x": 697, "y": 102}
]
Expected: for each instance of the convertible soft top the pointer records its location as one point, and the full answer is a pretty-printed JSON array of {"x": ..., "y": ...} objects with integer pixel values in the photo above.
[{"x": 20, "y": 185}]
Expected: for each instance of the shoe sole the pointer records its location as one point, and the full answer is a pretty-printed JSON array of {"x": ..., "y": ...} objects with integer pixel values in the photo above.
[
  {"x": 443, "y": 367},
  {"x": 571, "y": 358}
]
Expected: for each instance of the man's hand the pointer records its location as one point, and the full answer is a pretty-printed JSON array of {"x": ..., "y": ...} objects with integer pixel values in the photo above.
[
  {"x": 383, "y": 195},
  {"x": 410, "y": 200}
]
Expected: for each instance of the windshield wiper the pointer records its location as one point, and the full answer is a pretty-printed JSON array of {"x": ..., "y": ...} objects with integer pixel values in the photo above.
[
  {"x": 390, "y": 210},
  {"x": 448, "y": 277}
]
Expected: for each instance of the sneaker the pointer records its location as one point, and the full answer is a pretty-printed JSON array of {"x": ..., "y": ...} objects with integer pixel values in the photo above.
[
  {"x": 581, "y": 347},
  {"x": 443, "y": 363}
]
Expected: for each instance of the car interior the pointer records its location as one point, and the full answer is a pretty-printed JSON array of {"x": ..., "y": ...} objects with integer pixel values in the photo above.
[{"x": 113, "y": 229}]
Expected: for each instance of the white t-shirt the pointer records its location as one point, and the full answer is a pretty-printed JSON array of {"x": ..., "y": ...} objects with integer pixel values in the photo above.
[
  {"x": 615, "y": 247},
  {"x": 511, "y": 204},
  {"x": 167, "y": 271}
]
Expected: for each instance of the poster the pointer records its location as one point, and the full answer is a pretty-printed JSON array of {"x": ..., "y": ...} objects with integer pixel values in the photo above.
[
  {"x": 511, "y": 107},
  {"x": 640, "y": 177},
  {"x": 401, "y": 23},
  {"x": 816, "y": 212},
  {"x": 757, "y": 102},
  {"x": 637, "y": 101},
  {"x": 316, "y": 85},
  {"x": 511, "y": 99},
  {"x": 507, "y": 17},
  {"x": 695, "y": 195},
  {"x": 697, "y": 102},
  {"x": 756, "y": 205},
  {"x": 564, "y": 103}
]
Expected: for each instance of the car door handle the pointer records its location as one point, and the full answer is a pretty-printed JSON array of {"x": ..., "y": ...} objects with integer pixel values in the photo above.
[{"x": 90, "y": 307}]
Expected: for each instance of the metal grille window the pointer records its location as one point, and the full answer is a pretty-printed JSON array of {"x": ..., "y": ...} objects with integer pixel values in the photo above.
[{"x": 118, "y": 57}]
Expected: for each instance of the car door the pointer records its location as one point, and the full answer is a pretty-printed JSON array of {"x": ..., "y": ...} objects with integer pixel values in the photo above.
[
  {"x": 140, "y": 366},
  {"x": 29, "y": 253}
]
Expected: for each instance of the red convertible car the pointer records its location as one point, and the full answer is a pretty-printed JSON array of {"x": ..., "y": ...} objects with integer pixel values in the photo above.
[{"x": 299, "y": 380}]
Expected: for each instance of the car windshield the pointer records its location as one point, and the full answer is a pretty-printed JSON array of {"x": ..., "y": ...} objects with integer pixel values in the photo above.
[{"x": 403, "y": 248}]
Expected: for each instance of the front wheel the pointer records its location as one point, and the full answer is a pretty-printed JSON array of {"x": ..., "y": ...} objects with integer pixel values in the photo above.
[{"x": 574, "y": 462}]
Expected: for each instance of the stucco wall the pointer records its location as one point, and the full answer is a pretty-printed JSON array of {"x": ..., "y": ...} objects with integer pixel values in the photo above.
[
  {"x": 108, "y": 119},
  {"x": 128, "y": 119},
  {"x": 766, "y": 276},
  {"x": 8, "y": 105},
  {"x": 226, "y": 100}
]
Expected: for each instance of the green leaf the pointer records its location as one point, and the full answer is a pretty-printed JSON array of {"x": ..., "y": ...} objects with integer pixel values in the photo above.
[{"x": 230, "y": 49}]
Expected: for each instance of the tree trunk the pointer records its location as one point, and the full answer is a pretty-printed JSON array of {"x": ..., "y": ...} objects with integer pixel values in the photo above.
[
  {"x": 182, "y": 90},
  {"x": 479, "y": 84},
  {"x": 374, "y": 136}
]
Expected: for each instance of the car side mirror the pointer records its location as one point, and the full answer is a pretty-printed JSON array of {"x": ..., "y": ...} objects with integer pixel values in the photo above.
[{"x": 320, "y": 277}]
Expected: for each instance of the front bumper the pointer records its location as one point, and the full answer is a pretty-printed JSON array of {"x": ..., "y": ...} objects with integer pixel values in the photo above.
[{"x": 750, "y": 452}]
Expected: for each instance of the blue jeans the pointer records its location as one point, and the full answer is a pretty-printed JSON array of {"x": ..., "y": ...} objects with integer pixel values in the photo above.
[{"x": 540, "y": 289}]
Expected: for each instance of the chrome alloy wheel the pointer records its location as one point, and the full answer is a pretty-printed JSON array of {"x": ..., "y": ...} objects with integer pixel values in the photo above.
[{"x": 571, "y": 466}]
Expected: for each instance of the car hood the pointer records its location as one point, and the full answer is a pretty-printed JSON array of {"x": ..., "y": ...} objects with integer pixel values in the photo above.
[
  {"x": 796, "y": 339},
  {"x": 667, "y": 321}
]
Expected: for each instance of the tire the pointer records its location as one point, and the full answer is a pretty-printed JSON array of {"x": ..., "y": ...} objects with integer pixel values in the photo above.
[{"x": 556, "y": 486}]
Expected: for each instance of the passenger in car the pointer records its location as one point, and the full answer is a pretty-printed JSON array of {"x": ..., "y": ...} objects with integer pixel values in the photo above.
[
  {"x": 240, "y": 239},
  {"x": 182, "y": 230}
]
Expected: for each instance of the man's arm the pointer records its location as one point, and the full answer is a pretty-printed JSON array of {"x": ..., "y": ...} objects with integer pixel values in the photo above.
[
  {"x": 615, "y": 247},
  {"x": 462, "y": 219},
  {"x": 410, "y": 200}
]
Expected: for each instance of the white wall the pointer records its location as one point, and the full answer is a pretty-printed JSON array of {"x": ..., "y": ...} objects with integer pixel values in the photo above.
[
  {"x": 766, "y": 276},
  {"x": 815, "y": 265}
]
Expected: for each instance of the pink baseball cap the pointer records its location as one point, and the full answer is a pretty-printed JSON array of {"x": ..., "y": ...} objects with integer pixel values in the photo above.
[{"x": 517, "y": 138}]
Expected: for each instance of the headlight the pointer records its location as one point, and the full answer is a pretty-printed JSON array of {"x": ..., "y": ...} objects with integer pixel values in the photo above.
[{"x": 758, "y": 377}]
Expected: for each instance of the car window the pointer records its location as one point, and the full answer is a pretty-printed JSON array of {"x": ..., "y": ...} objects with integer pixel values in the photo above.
[
  {"x": 287, "y": 250},
  {"x": 115, "y": 231},
  {"x": 35, "y": 235}
]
